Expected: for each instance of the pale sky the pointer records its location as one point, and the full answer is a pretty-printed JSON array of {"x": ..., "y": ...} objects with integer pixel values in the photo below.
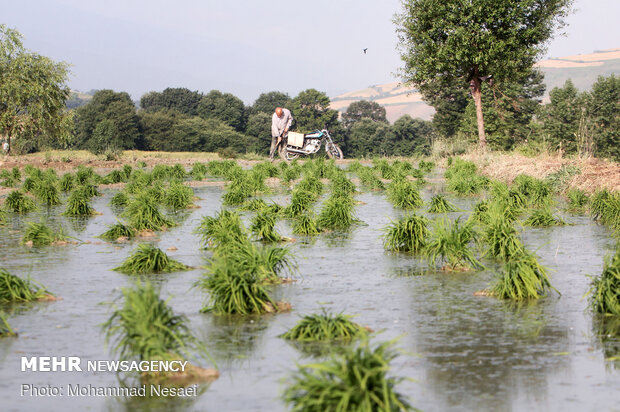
[{"x": 244, "y": 47}]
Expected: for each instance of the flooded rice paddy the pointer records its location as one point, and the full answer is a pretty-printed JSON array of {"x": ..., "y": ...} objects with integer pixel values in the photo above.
[{"x": 463, "y": 352}]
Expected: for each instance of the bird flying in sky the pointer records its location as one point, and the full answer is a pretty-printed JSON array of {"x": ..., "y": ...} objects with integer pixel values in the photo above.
[{"x": 365, "y": 50}]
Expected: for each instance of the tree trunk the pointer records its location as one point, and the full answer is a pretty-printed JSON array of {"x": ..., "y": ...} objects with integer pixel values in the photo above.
[{"x": 476, "y": 93}]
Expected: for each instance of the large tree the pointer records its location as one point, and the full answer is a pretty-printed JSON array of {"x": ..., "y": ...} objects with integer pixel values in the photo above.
[
  {"x": 311, "y": 111},
  {"x": 561, "y": 118},
  {"x": 121, "y": 129},
  {"x": 179, "y": 98},
  {"x": 225, "y": 107},
  {"x": 363, "y": 109},
  {"x": 267, "y": 102},
  {"x": 33, "y": 91},
  {"x": 472, "y": 41},
  {"x": 604, "y": 110}
]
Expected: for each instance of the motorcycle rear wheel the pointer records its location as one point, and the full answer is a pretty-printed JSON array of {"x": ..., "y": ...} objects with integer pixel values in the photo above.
[
  {"x": 333, "y": 151},
  {"x": 286, "y": 155}
]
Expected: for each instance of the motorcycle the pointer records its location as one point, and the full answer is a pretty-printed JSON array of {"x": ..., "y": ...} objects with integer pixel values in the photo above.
[{"x": 296, "y": 144}]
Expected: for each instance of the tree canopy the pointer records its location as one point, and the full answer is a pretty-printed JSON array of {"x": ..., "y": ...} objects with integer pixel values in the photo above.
[
  {"x": 225, "y": 107},
  {"x": 363, "y": 109},
  {"x": 474, "y": 41},
  {"x": 311, "y": 111},
  {"x": 180, "y": 99},
  {"x": 267, "y": 102},
  {"x": 33, "y": 91}
]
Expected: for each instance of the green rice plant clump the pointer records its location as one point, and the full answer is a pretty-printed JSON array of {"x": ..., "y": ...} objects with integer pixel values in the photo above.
[
  {"x": 325, "y": 327},
  {"x": 305, "y": 224},
  {"x": 369, "y": 179},
  {"x": 439, "y": 204},
  {"x": 30, "y": 183},
  {"x": 18, "y": 202},
  {"x": 357, "y": 380},
  {"x": 127, "y": 170},
  {"x": 355, "y": 166},
  {"x": 199, "y": 171},
  {"x": 67, "y": 182},
  {"x": 426, "y": 167},
  {"x": 142, "y": 213},
  {"x": 543, "y": 218},
  {"x": 178, "y": 196},
  {"x": 605, "y": 207},
  {"x": 120, "y": 199},
  {"x": 253, "y": 205},
  {"x": 41, "y": 235},
  {"x": 145, "y": 327},
  {"x": 225, "y": 227},
  {"x": 404, "y": 194},
  {"x": 47, "y": 192},
  {"x": 86, "y": 175},
  {"x": 78, "y": 203},
  {"x": 604, "y": 294},
  {"x": 138, "y": 182},
  {"x": 3, "y": 217},
  {"x": 384, "y": 168},
  {"x": 467, "y": 185},
  {"x": 268, "y": 168},
  {"x": 449, "y": 244},
  {"x": 178, "y": 171},
  {"x": 116, "y": 231},
  {"x": 9, "y": 181},
  {"x": 234, "y": 290},
  {"x": 301, "y": 200},
  {"x": 291, "y": 173},
  {"x": 115, "y": 176},
  {"x": 263, "y": 227},
  {"x": 341, "y": 186},
  {"x": 16, "y": 174},
  {"x": 522, "y": 278},
  {"x": 161, "y": 172},
  {"x": 310, "y": 184},
  {"x": 149, "y": 259},
  {"x": 337, "y": 213},
  {"x": 577, "y": 200},
  {"x": 500, "y": 235},
  {"x": 16, "y": 289},
  {"x": 407, "y": 234},
  {"x": 220, "y": 168}
]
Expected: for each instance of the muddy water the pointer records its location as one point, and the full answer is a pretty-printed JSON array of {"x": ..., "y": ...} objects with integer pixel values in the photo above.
[{"x": 463, "y": 352}]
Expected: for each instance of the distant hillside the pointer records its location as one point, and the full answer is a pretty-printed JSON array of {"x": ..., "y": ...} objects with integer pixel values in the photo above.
[{"x": 582, "y": 69}]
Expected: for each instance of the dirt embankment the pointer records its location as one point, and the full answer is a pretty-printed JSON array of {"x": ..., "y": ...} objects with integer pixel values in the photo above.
[{"x": 592, "y": 174}]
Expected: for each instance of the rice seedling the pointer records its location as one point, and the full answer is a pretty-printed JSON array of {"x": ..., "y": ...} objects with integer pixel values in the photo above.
[
  {"x": 78, "y": 203},
  {"x": 41, "y": 235},
  {"x": 139, "y": 181},
  {"x": 268, "y": 168},
  {"x": 604, "y": 293},
  {"x": 253, "y": 205},
  {"x": 16, "y": 289},
  {"x": 305, "y": 224},
  {"x": 234, "y": 290},
  {"x": 543, "y": 218},
  {"x": 237, "y": 193},
  {"x": 145, "y": 327},
  {"x": 263, "y": 227},
  {"x": 115, "y": 176},
  {"x": 384, "y": 168},
  {"x": 538, "y": 194},
  {"x": 337, "y": 213},
  {"x": 224, "y": 227},
  {"x": 416, "y": 173},
  {"x": 341, "y": 186},
  {"x": 30, "y": 183},
  {"x": 355, "y": 166},
  {"x": 605, "y": 207},
  {"x": 404, "y": 194},
  {"x": 500, "y": 235},
  {"x": 33, "y": 171},
  {"x": 86, "y": 175},
  {"x": 141, "y": 164},
  {"x": 161, "y": 172},
  {"x": 357, "y": 380},
  {"x": 301, "y": 200},
  {"x": 522, "y": 278},
  {"x": 199, "y": 171},
  {"x": 120, "y": 199},
  {"x": 467, "y": 185},
  {"x": 67, "y": 182},
  {"x": 426, "y": 167},
  {"x": 448, "y": 244},
  {"x": 178, "y": 172},
  {"x": 178, "y": 196},
  {"x": 18, "y": 202},
  {"x": 127, "y": 170},
  {"x": 577, "y": 200},
  {"x": 325, "y": 327},
  {"x": 3, "y": 217},
  {"x": 149, "y": 259},
  {"x": 142, "y": 213},
  {"x": 220, "y": 168},
  {"x": 369, "y": 179},
  {"x": 9, "y": 181},
  {"x": 310, "y": 184},
  {"x": 480, "y": 213},
  {"x": 46, "y": 191},
  {"x": 118, "y": 230},
  {"x": 16, "y": 174},
  {"x": 5, "y": 328},
  {"x": 439, "y": 204},
  {"x": 291, "y": 173},
  {"x": 407, "y": 234}
]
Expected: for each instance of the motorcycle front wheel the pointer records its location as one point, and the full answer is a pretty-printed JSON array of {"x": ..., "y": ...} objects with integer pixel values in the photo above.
[
  {"x": 333, "y": 151},
  {"x": 286, "y": 155}
]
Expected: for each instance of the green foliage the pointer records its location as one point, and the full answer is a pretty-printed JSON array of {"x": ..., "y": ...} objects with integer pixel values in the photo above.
[
  {"x": 369, "y": 179},
  {"x": 310, "y": 184},
  {"x": 560, "y": 178},
  {"x": 500, "y": 234},
  {"x": 224, "y": 107},
  {"x": 522, "y": 278},
  {"x": 18, "y": 202},
  {"x": 337, "y": 213},
  {"x": 41, "y": 235},
  {"x": 448, "y": 244},
  {"x": 604, "y": 293},
  {"x": 16, "y": 289},
  {"x": 78, "y": 203},
  {"x": 119, "y": 199},
  {"x": 543, "y": 218},
  {"x": 142, "y": 213},
  {"x": 358, "y": 380},
  {"x": 301, "y": 200},
  {"x": 439, "y": 204},
  {"x": 179, "y": 99},
  {"x": 577, "y": 200},
  {"x": 325, "y": 327},
  {"x": 266, "y": 103},
  {"x": 263, "y": 226},
  {"x": 404, "y": 194},
  {"x": 33, "y": 90},
  {"x": 407, "y": 234},
  {"x": 561, "y": 118},
  {"x": 310, "y": 109},
  {"x": 67, "y": 182},
  {"x": 363, "y": 109},
  {"x": 145, "y": 327},
  {"x": 605, "y": 207},
  {"x": 46, "y": 191},
  {"x": 178, "y": 196},
  {"x": 5, "y": 328},
  {"x": 149, "y": 259},
  {"x": 225, "y": 227},
  {"x": 604, "y": 109},
  {"x": 305, "y": 224},
  {"x": 116, "y": 231}
]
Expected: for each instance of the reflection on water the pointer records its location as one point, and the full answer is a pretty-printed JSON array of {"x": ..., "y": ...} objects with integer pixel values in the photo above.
[{"x": 607, "y": 331}]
